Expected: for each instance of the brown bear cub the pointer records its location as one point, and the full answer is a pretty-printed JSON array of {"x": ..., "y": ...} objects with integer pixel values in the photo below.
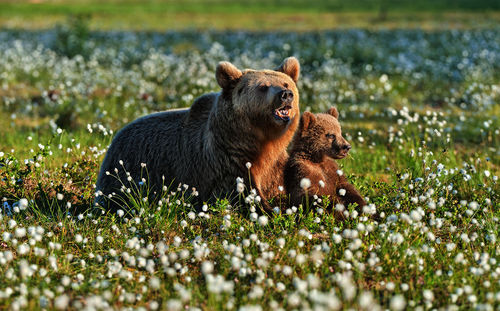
[{"x": 315, "y": 147}]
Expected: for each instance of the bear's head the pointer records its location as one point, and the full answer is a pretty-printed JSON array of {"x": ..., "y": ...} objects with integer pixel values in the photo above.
[
  {"x": 269, "y": 99},
  {"x": 322, "y": 135}
]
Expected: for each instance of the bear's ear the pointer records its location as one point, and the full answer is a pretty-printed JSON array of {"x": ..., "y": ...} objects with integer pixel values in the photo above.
[
  {"x": 307, "y": 120},
  {"x": 291, "y": 67},
  {"x": 334, "y": 112},
  {"x": 227, "y": 75}
]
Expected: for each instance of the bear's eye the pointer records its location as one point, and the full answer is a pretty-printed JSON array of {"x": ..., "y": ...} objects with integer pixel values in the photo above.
[
  {"x": 331, "y": 136},
  {"x": 263, "y": 88}
]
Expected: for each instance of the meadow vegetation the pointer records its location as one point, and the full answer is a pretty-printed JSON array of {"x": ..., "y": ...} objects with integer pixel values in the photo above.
[
  {"x": 421, "y": 110},
  {"x": 299, "y": 15}
]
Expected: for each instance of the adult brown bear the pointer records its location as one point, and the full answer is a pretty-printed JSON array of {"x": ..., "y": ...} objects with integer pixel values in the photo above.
[{"x": 207, "y": 146}]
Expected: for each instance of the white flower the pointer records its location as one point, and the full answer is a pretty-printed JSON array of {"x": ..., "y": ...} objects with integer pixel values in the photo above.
[
  {"x": 207, "y": 267},
  {"x": 256, "y": 292},
  {"x": 487, "y": 173},
  {"x": 305, "y": 183},
  {"x": 120, "y": 213},
  {"x": 248, "y": 165},
  {"x": 428, "y": 295},
  {"x": 60, "y": 196},
  {"x": 174, "y": 305},
  {"x": 342, "y": 192},
  {"x": 78, "y": 238},
  {"x": 254, "y": 217},
  {"x": 340, "y": 172},
  {"x": 61, "y": 302},
  {"x": 280, "y": 242},
  {"x": 321, "y": 184},
  {"x": 263, "y": 220},
  {"x": 240, "y": 187},
  {"x": 154, "y": 283},
  {"x": 398, "y": 303},
  {"x": 20, "y": 232},
  {"x": 383, "y": 78},
  {"x": 280, "y": 287},
  {"x": 23, "y": 204}
]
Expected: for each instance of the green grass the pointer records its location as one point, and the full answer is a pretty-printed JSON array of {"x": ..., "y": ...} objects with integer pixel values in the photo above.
[
  {"x": 259, "y": 14},
  {"x": 432, "y": 177}
]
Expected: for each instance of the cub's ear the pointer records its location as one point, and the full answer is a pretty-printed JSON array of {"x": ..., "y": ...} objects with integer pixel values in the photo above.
[
  {"x": 334, "y": 112},
  {"x": 227, "y": 75},
  {"x": 307, "y": 120},
  {"x": 291, "y": 67}
]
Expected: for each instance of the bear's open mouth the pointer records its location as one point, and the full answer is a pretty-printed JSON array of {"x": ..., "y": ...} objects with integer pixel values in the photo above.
[
  {"x": 283, "y": 113},
  {"x": 341, "y": 154}
]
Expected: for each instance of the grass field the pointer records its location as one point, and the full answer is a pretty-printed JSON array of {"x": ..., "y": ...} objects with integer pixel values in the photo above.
[
  {"x": 255, "y": 15},
  {"x": 420, "y": 108}
]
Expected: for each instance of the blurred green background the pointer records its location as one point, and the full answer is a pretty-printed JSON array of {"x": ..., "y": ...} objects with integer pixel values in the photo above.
[{"x": 253, "y": 14}]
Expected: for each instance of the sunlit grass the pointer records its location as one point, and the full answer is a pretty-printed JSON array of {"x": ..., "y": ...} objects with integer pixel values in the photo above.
[{"x": 420, "y": 110}]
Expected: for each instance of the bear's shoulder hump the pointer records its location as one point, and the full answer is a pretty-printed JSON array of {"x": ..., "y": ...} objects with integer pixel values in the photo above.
[{"x": 202, "y": 105}]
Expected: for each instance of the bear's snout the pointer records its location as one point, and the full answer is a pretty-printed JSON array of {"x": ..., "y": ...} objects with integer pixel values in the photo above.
[
  {"x": 346, "y": 148},
  {"x": 286, "y": 96}
]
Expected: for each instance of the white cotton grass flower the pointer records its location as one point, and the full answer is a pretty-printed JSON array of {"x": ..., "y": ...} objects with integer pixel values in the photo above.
[
  {"x": 174, "y": 305},
  {"x": 20, "y": 232},
  {"x": 340, "y": 172},
  {"x": 78, "y": 238},
  {"x": 305, "y": 183},
  {"x": 256, "y": 292},
  {"x": 154, "y": 283},
  {"x": 207, "y": 267},
  {"x": 61, "y": 302},
  {"x": 397, "y": 303},
  {"x": 321, "y": 184},
  {"x": 342, "y": 192},
  {"x": 428, "y": 295},
  {"x": 248, "y": 165},
  {"x": 254, "y": 217},
  {"x": 60, "y": 196},
  {"x": 23, "y": 204},
  {"x": 487, "y": 173},
  {"x": 263, "y": 220},
  {"x": 240, "y": 187}
]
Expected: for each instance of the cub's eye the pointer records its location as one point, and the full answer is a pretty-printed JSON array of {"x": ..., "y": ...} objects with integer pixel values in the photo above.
[
  {"x": 263, "y": 88},
  {"x": 331, "y": 136}
]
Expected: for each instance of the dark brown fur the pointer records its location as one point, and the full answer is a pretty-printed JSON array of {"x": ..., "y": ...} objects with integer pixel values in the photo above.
[
  {"x": 208, "y": 145},
  {"x": 316, "y": 145}
]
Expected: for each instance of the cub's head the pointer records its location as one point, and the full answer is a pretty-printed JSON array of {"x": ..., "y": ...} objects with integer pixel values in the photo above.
[
  {"x": 268, "y": 98},
  {"x": 322, "y": 135}
]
